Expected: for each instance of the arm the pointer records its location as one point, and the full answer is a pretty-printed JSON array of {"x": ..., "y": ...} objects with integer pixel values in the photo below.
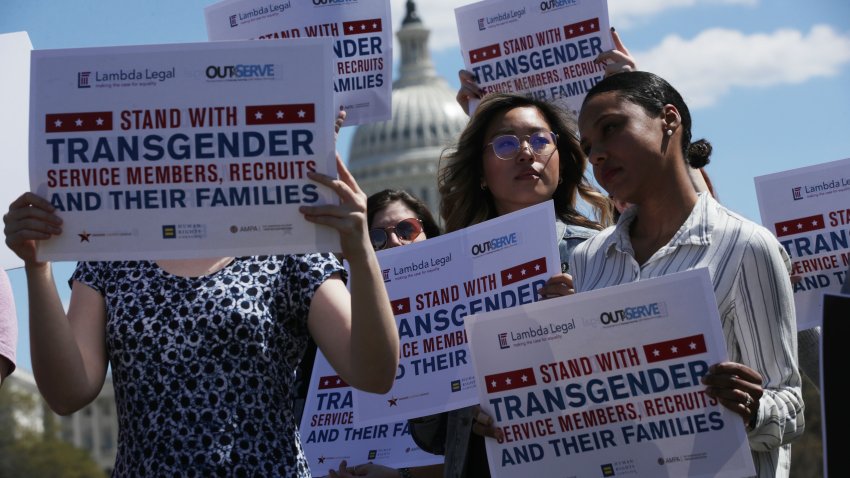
[
  {"x": 764, "y": 325},
  {"x": 356, "y": 331},
  {"x": 68, "y": 351},
  {"x": 5, "y": 368}
]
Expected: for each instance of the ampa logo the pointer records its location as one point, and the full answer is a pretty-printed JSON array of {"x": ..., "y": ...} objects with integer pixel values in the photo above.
[
  {"x": 481, "y": 24},
  {"x": 797, "y": 193},
  {"x": 233, "y": 22},
  {"x": 83, "y": 79},
  {"x": 503, "y": 341}
]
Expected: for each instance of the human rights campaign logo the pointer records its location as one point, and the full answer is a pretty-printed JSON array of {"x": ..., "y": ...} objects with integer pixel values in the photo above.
[
  {"x": 455, "y": 386},
  {"x": 83, "y": 79},
  {"x": 797, "y": 193},
  {"x": 233, "y": 22},
  {"x": 608, "y": 469},
  {"x": 169, "y": 231}
]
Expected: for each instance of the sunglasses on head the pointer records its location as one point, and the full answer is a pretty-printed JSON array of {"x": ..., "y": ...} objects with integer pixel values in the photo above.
[
  {"x": 406, "y": 230},
  {"x": 508, "y": 146}
]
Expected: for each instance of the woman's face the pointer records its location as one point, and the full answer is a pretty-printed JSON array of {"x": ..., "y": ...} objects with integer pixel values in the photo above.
[
  {"x": 527, "y": 179},
  {"x": 391, "y": 215},
  {"x": 625, "y": 146}
]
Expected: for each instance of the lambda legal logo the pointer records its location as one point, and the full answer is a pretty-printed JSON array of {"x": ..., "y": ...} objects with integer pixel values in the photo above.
[
  {"x": 503, "y": 341},
  {"x": 797, "y": 192},
  {"x": 386, "y": 275},
  {"x": 481, "y": 24},
  {"x": 83, "y": 79},
  {"x": 233, "y": 22}
]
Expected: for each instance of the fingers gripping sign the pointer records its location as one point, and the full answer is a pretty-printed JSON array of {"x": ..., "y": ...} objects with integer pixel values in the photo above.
[{"x": 349, "y": 216}]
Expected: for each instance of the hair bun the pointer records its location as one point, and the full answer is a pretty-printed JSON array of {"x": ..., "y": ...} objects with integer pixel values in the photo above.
[{"x": 698, "y": 153}]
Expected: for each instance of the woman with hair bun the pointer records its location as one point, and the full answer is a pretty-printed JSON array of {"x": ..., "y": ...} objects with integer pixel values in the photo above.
[{"x": 636, "y": 131}]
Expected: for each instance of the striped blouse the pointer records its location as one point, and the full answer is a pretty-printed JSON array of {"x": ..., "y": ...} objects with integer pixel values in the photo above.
[{"x": 754, "y": 297}]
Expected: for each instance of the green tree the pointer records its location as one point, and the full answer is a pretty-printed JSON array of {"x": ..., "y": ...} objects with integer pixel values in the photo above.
[{"x": 29, "y": 454}]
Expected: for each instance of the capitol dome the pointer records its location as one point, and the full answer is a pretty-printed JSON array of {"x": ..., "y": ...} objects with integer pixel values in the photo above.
[{"x": 404, "y": 152}]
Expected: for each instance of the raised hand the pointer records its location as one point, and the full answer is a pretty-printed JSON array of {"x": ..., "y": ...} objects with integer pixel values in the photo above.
[
  {"x": 619, "y": 59},
  {"x": 349, "y": 216}
]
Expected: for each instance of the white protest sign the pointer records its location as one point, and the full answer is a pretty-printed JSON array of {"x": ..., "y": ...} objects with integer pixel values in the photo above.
[
  {"x": 576, "y": 386},
  {"x": 808, "y": 209},
  {"x": 362, "y": 44},
  {"x": 542, "y": 49},
  {"x": 163, "y": 151},
  {"x": 435, "y": 284},
  {"x": 14, "y": 96},
  {"x": 330, "y": 434}
]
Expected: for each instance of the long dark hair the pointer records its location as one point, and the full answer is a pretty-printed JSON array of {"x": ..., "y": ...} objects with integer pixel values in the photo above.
[
  {"x": 380, "y": 200},
  {"x": 652, "y": 93},
  {"x": 463, "y": 203}
]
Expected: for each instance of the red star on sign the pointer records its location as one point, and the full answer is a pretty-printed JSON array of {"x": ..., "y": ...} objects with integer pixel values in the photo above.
[
  {"x": 331, "y": 381},
  {"x": 84, "y": 237},
  {"x": 401, "y": 306},
  {"x": 280, "y": 114},
  {"x": 674, "y": 349},
  {"x": 321, "y": 459},
  {"x": 362, "y": 26},
  {"x": 581, "y": 28},
  {"x": 799, "y": 225},
  {"x": 393, "y": 402},
  {"x": 524, "y": 271},
  {"x": 484, "y": 53}
]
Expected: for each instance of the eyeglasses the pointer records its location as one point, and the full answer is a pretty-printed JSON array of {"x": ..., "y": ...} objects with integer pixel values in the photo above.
[
  {"x": 508, "y": 146},
  {"x": 406, "y": 230}
]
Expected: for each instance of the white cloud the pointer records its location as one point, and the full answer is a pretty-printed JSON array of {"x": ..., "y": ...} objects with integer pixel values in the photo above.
[
  {"x": 706, "y": 67},
  {"x": 624, "y": 13}
]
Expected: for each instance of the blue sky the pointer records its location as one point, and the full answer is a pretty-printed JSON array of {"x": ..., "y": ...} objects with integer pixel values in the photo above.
[{"x": 767, "y": 81}]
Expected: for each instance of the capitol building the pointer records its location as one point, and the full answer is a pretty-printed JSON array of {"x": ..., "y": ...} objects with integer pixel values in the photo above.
[{"x": 404, "y": 152}]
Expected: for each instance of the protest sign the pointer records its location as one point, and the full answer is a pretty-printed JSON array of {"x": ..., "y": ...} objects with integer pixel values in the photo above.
[
  {"x": 330, "y": 434},
  {"x": 808, "y": 209},
  {"x": 185, "y": 150},
  {"x": 542, "y": 49},
  {"x": 14, "y": 95},
  {"x": 433, "y": 285},
  {"x": 834, "y": 415},
  {"x": 361, "y": 34},
  {"x": 607, "y": 383}
]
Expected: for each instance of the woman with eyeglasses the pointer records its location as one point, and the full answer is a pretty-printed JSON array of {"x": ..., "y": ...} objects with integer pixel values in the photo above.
[
  {"x": 396, "y": 218},
  {"x": 515, "y": 152}
]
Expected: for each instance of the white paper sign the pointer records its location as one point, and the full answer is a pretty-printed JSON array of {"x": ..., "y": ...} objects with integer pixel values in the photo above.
[
  {"x": 435, "y": 284},
  {"x": 14, "y": 95},
  {"x": 361, "y": 32},
  {"x": 808, "y": 209},
  {"x": 607, "y": 383},
  {"x": 543, "y": 49},
  {"x": 330, "y": 434},
  {"x": 180, "y": 151}
]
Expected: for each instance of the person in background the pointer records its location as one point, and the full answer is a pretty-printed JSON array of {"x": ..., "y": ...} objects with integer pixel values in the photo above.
[
  {"x": 636, "y": 132},
  {"x": 8, "y": 328},
  {"x": 203, "y": 351},
  {"x": 395, "y": 218}
]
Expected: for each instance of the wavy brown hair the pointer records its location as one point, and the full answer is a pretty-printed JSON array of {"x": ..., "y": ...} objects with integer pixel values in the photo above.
[
  {"x": 463, "y": 203},
  {"x": 380, "y": 200}
]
